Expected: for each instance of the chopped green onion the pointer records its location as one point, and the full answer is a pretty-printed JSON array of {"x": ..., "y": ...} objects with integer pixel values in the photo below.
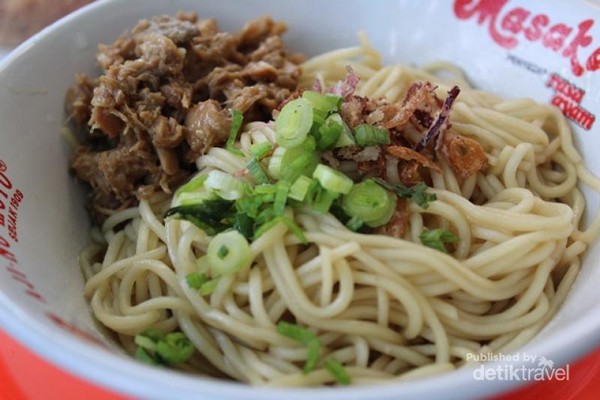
[
  {"x": 143, "y": 356},
  {"x": 261, "y": 150},
  {"x": 369, "y": 203},
  {"x": 417, "y": 193},
  {"x": 312, "y": 358},
  {"x": 298, "y": 161},
  {"x": 251, "y": 205},
  {"x": 175, "y": 348},
  {"x": 268, "y": 188},
  {"x": 266, "y": 226},
  {"x": 323, "y": 199},
  {"x": 228, "y": 252},
  {"x": 209, "y": 287},
  {"x": 224, "y": 185},
  {"x": 292, "y": 226},
  {"x": 153, "y": 334},
  {"x": 296, "y": 332},
  {"x": 222, "y": 252},
  {"x": 325, "y": 102},
  {"x": 274, "y": 168},
  {"x": 346, "y": 137},
  {"x": 307, "y": 338},
  {"x": 158, "y": 348},
  {"x": 319, "y": 117},
  {"x": 211, "y": 215},
  {"x": 293, "y": 123},
  {"x": 338, "y": 371},
  {"x": 266, "y": 214},
  {"x": 437, "y": 238},
  {"x": 194, "y": 184},
  {"x": 420, "y": 196},
  {"x": 354, "y": 224},
  {"x": 301, "y": 188},
  {"x": 329, "y": 132},
  {"x": 189, "y": 198},
  {"x": 283, "y": 188},
  {"x": 195, "y": 280},
  {"x": 146, "y": 342},
  {"x": 332, "y": 180},
  {"x": 237, "y": 118},
  {"x": 244, "y": 224},
  {"x": 368, "y": 135},
  {"x": 256, "y": 171},
  {"x": 310, "y": 144},
  {"x": 322, "y": 104}
]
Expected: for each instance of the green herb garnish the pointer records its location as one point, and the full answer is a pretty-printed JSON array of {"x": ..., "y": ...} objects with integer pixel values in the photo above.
[
  {"x": 237, "y": 118},
  {"x": 159, "y": 348},
  {"x": 338, "y": 371},
  {"x": 417, "y": 193},
  {"x": 307, "y": 338},
  {"x": 437, "y": 239}
]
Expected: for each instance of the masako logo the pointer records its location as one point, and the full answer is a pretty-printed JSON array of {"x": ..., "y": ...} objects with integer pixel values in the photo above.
[
  {"x": 517, "y": 367},
  {"x": 508, "y": 27}
]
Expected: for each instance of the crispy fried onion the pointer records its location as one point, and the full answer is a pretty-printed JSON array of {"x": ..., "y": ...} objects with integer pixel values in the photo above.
[
  {"x": 440, "y": 124},
  {"x": 464, "y": 155},
  {"x": 407, "y": 154},
  {"x": 394, "y": 115}
]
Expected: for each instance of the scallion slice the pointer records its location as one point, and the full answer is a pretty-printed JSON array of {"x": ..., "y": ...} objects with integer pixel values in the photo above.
[
  {"x": 295, "y": 229},
  {"x": 329, "y": 132},
  {"x": 298, "y": 161},
  {"x": 332, "y": 180},
  {"x": 275, "y": 163},
  {"x": 237, "y": 118},
  {"x": 307, "y": 338},
  {"x": 417, "y": 193},
  {"x": 175, "y": 348},
  {"x": 283, "y": 188},
  {"x": 195, "y": 280},
  {"x": 323, "y": 199},
  {"x": 228, "y": 252},
  {"x": 189, "y": 198},
  {"x": 290, "y": 223},
  {"x": 225, "y": 185},
  {"x": 261, "y": 150},
  {"x": 209, "y": 286},
  {"x": 293, "y": 123},
  {"x": 301, "y": 188},
  {"x": 312, "y": 358},
  {"x": 346, "y": 137},
  {"x": 368, "y": 135},
  {"x": 325, "y": 102},
  {"x": 211, "y": 215},
  {"x": 256, "y": 171},
  {"x": 354, "y": 224},
  {"x": 338, "y": 371},
  {"x": 437, "y": 238},
  {"x": 296, "y": 332},
  {"x": 369, "y": 202},
  {"x": 194, "y": 184},
  {"x": 158, "y": 348}
]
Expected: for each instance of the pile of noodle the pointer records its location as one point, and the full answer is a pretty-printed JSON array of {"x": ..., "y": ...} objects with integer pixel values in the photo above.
[{"x": 386, "y": 308}]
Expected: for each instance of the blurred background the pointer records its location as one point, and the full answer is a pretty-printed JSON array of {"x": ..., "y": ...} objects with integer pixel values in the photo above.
[{"x": 20, "y": 19}]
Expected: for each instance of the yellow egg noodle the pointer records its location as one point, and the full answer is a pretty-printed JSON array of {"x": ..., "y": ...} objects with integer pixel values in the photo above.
[{"x": 386, "y": 308}]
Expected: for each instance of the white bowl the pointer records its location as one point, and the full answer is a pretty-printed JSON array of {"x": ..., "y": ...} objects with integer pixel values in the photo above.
[{"x": 41, "y": 300}]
